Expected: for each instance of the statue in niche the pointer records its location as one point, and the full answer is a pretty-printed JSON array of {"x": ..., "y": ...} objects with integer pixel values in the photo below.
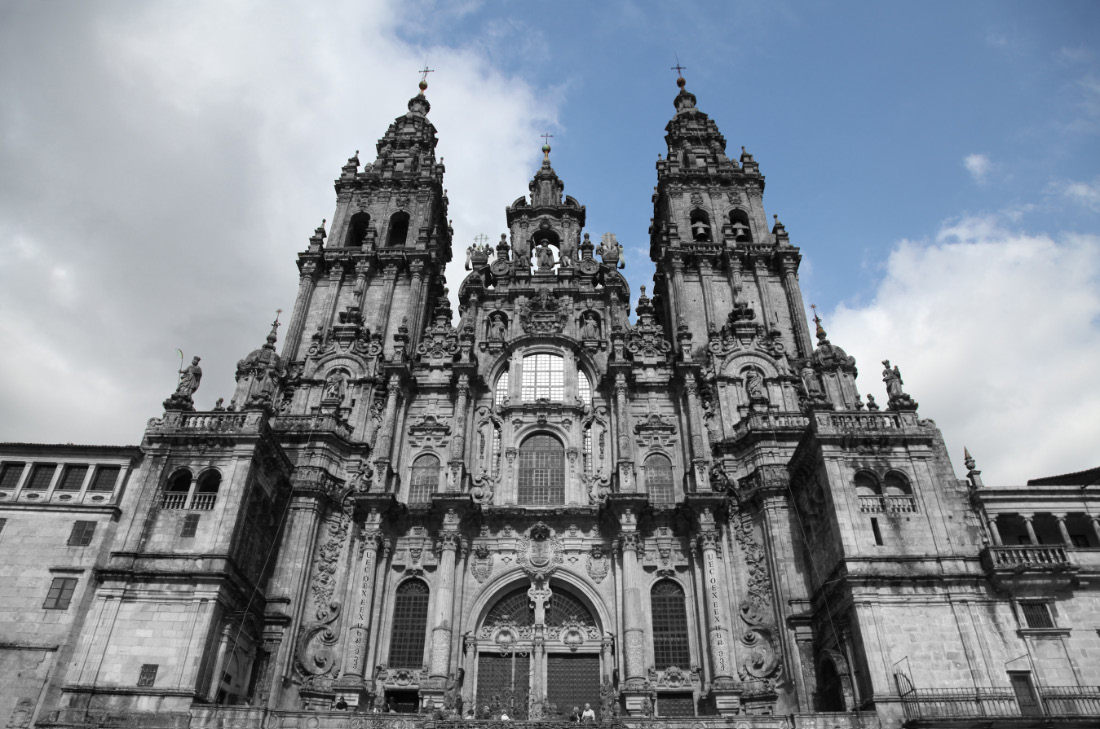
[
  {"x": 565, "y": 252},
  {"x": 754, "y": 385},
  {"x": 521, "y": 250},
  {"x": 545, "y": 257},
  {"x": 590, "y": 328},
  {"x": 334, "y": 387},
  {"x": 810, "y": 381},
  {"x": 496, "y": 328}
]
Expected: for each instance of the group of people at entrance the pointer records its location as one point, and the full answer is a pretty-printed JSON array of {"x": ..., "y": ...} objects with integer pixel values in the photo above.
[{"x": 588, "y": 716}]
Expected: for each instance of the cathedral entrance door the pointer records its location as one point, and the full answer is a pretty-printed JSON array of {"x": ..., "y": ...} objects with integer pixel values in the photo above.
[
  {"x": 573, "y": 680},
  {"x": 502, "y": 684}
]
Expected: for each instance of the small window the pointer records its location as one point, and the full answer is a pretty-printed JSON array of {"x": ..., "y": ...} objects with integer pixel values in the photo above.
[
  {"x": 543, "y": 377},
  {"x": 82, "y": 533},
  {"x": 876, "y": 531},
  {"x": 72, "y": 478},
  {"x": 658, "y": 479},
  {"x": 357, "y": 230},
  {"x": 148, "y": 675},
  {"x": 9, "y": 475},
  {"x": 1036, "y": 614},
  {"x": 60, "y": 594},
  {"x": 105, "y": 478},
  {"x": 399, "y": 230},
  {"x": 190, "y": 526},
  {"x": 423, "y": 479},
  {"x": 41, "y": 475},
  {"x": 500, "y": 394}
]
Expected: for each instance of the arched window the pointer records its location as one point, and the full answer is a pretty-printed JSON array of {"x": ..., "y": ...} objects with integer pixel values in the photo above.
[
  {"x": 700, "y": 225},
  {"x": 670, "y": 626},
  {"x": 658, "y": 479},
  {"x": 176, "y": 490},
  {"x": 739, "y": 221},
  {"x": 896, "y": 484},
  {"x": 357, "y": 230},
  {"x": 866, "y": 484},
  {"x": 543, "y": 377},
  {"x": 512, "y": 609},
  {"x": 541, "y": 471},
  {"x": 584, "y": 388},
  {"x": 423, "y": 479},
  {"x": 399, "y": 230},
  {"x": 566, "y": 608},
  {"x": 206, "y": 494},
  {"x": 500, "y": 392},
  {"x": 410, "y": 625},
  {"x": 830, "y": 691}
]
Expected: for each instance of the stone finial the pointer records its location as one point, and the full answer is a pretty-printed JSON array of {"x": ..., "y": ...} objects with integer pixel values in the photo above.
[
  {"x": 973, "y": 475},
  {"x": 273, "y": 335},
  {"x": 319, "y": 235}
]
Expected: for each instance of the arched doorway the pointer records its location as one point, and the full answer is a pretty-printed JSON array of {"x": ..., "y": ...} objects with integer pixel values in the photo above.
[{"x": 515, "y": 670}]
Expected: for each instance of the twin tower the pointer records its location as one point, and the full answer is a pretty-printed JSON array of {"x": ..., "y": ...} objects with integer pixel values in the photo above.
[{"x": 535, "y": 505}]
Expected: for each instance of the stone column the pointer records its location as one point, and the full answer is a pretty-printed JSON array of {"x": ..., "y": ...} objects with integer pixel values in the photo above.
[
  {"x": 335, "y": 281},
  {"x": 622, "y": 422},
  {"x": 306, "y": 285},
  {"x": 444, "y": 603},
  {"x": 760, "y": 272},
  {"x": 458, "y": 442},
  {"x": 416, "y": 297},
  {"x": 362, "y": 272},
  {"x": 1095, "y": 522},
  {"x": 389, "y": 281},
  {"x": 1030, "y": 529},
  {"x": 636, "y": 687},
  {"x": 994, "y": 531},
  {"x": 607, "y": 656},
  {"x": 351, "y": 686},
  {"x": 794, "y": 304},
  {"x": 697, "y": 433},
  {"x": 384, "y": 444},
  {"x": 726, "y": 695},
  {"x": 1066, "y": 539},
  {"x": 676, "y": 303}
]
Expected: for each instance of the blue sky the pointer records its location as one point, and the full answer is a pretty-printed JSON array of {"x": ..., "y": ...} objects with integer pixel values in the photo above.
[{"x": 161, "y": 164}]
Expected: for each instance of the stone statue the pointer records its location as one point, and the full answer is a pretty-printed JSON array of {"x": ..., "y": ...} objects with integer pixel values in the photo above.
[
  {"x": 565, "y": 252},
  {"x": 334, "y": 387},
  {"x": 809, "y": 380},
  {"x": 470, "y": 257},
  {"x": 589, "y": 328},
  {"x": 892, "y": 378},
  {"x": 219, "y": 406},
  {"x": 189, "y": 380},
  {"x": 871, "y": 404},
  {"x": 545, "y": 257},
  {"x": 521, "y": 251},
  {"x": 607, "y": 700},
  {"x": 496, "y": 328},
  {"x": 783, "y": 365},
  {"x": 754, "y": 385},
  {"x": 621, "y": 255}
]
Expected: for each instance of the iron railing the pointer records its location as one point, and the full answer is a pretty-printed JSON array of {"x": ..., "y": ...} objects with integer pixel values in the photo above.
[{"x": 1061, "y": 701}]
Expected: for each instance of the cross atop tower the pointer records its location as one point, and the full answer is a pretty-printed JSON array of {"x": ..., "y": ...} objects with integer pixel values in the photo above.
[
  {"x": 546, "y": 146},
  {"x": 679, "y": 69},
  {"x": 424, "y": 72}
]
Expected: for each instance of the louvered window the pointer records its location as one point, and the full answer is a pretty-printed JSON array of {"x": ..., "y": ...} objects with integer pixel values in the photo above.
[
  {"x": 670, "y": 626},
  {"x": 541, "y": 471},
  {"x": 410, "y": 625}
]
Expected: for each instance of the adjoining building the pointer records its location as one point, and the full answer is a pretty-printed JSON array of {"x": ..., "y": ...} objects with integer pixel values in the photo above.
[{"x": 694, "y": 517}]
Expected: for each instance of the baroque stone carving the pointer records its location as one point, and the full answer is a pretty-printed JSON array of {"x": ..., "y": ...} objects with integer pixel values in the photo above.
[
  {"x": 597, "y": 563},
  {"x": 482, "y": 565},
  {"x": 328, "y": 554},
  {"x": 538, "y": 552},
  {"x": 316, "y": 649}
]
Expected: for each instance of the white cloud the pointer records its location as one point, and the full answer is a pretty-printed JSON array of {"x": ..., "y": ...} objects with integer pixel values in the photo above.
[
  {"x": 997, "y": 334},
  {"x": 163, "y": 164},
  {"x": 1085, "y": 194},
  {"x": 979, "y": 167}
]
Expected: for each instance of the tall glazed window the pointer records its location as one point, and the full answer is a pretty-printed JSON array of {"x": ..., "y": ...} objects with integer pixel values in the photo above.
[
  {"x": 541, "y": 471},
  {"x": 423, "y": 479},
  {"x": 543, "y": 377},
  {"x": 670, "y": 626},
  {"x": 658, "y": 479},
  {"x": 410, "y": 625}
]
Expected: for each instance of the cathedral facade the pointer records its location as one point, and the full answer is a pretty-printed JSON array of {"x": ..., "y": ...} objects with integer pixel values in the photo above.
[{"x": 546, "y": 507}]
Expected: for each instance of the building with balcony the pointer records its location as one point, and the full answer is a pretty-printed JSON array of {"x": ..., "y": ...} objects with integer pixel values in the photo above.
[{"x": 688, "y": 518}]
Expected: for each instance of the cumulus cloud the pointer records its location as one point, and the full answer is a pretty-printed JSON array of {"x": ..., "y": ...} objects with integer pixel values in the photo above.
[
  {"x": 979, "y": 166},
  {"x": 1085, "y": 194},
  {"x": 163, "y": 164},
  {"x": 997, "y": 334}
]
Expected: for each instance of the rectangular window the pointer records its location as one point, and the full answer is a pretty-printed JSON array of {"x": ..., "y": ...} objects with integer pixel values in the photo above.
[
  {"x": 81, "y": 535},
  {"x": 190, "y": 526},
  {"x": 41, "y": 475},
  {"x": 1036, "y": 614},
  {"x": 72, "y": 478},
  {"x": 9, "y": 475},
  {"x": 60, "y": 594},
  {"x": 105, "y": 477},
  {"x": 543, "y": 377},
  {"x": 877, "y": 532},
  {"x": 148, "y": 675}
]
